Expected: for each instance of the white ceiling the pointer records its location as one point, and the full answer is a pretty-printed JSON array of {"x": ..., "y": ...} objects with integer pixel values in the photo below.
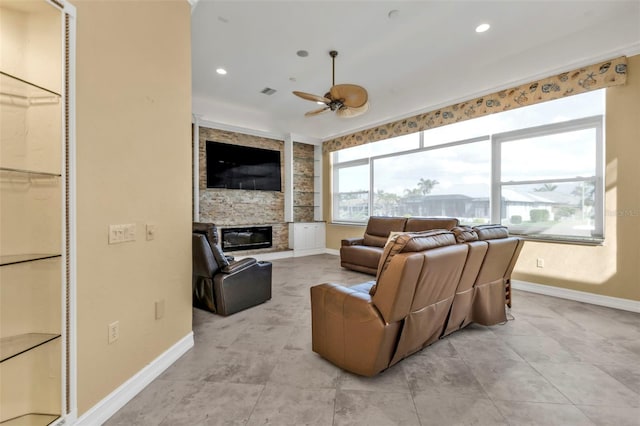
[{"x": 429, "y": 56}]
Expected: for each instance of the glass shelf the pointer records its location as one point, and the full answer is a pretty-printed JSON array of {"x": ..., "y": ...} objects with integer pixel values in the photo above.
[
  {"x": 30, "y": 173},
  {"x": 12, "y": 259},
  {"x": 31, "y": 419},
  {"x": 16, "y": 345},
  {"x": 20, "y": 92}
]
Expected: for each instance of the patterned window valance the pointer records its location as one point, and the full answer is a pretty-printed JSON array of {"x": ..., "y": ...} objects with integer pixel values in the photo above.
[{"x": 597, "y": 76}]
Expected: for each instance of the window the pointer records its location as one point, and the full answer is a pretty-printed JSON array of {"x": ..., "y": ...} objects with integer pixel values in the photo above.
[
  {"x": 537, "y": 170},
  {"x": 351, "y": 192},
  {"x": 550, "y": 180},
  {"x": 453, "y": 180}
]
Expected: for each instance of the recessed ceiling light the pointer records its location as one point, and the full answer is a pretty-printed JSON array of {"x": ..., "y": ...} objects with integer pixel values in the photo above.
[
  {"x": 302, "y": 53},
  {"x": 482, "y": 28},
  {"x": 221, "y": 71}
]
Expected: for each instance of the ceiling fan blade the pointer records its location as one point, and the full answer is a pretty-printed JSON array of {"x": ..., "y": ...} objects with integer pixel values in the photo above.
[
  {"x": 316, "y": 112},
  {"x": 351, "y": 95},
  {"x": 310, "y": 97},
  {"x": 347, "y": 112}
]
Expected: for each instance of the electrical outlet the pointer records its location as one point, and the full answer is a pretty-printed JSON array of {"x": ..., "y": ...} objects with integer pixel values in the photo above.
[
  {"x": 540, "y": 262},
  {"x": 151, "y": 231},
  {"x": 114, "y": 331}
]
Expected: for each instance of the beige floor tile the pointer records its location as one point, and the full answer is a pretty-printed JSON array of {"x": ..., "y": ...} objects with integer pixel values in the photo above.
[
  {"x": 456, "y": 411},
  {"x": 514, "y": 381},
  {"x": 585, "y": 384},
  {"x": 215, "y": 404},
  {"x": 542, "y": 414},
  {"x": 368, "y": 408},
  {"x": 612, "y": 416},
  {"x": 281, "y": 405},
  {"x": 390, "y": 380}
]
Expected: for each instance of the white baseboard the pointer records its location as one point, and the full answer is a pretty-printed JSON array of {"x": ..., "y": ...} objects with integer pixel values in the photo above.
[
  {"x": 578, "y": 296},
  {"x": 100, "y": 413},
  {"x": 332, "y": 251}
]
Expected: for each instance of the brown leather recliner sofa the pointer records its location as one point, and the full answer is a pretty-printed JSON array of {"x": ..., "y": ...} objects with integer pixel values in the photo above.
[
  {"x": 428, "y": 285},
  {"x": 363, "y": 254}
]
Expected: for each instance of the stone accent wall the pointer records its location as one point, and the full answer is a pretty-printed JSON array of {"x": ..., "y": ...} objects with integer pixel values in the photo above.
[
  {"x": 229, "y": 208},
  {"x": 302, "y": 182}
]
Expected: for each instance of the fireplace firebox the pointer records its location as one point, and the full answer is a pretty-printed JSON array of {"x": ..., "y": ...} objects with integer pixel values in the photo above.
[{"x": 248, "y": 238}]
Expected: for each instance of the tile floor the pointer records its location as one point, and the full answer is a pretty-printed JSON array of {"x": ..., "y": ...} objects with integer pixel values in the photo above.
[{"x": 557, "y": 363}]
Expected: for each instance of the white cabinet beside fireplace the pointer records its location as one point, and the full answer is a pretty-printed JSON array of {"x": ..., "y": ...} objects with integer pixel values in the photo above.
[{"x": 307, "y": 238}]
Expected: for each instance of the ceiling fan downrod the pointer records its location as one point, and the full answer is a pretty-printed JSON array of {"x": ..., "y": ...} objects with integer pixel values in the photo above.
[{"x": 333, "y": 55}]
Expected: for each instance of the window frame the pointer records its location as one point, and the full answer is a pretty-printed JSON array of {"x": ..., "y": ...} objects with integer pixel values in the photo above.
[{"x": 496, "y": 140}]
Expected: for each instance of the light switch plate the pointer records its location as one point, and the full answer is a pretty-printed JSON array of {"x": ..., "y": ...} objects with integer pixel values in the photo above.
[{"x": 122, "y": 233}]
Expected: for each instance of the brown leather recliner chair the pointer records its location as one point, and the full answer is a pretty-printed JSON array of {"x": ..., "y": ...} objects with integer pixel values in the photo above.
[
  {"x": 485, "y": 286},
  {"x": 226, "y": 287}
]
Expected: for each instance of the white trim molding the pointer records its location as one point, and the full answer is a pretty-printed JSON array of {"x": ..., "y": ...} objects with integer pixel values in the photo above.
[
  {"x": 103, "y": 410},
  {"x": 578, "y": 296}
]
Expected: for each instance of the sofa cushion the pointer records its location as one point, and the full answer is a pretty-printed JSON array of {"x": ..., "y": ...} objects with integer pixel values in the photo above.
[
  {"x": 419, "y": 224},
  {"x": 465, "y": 234},
  {"x": 379, "y": 227},
  {"x": 491, "y": 232}
]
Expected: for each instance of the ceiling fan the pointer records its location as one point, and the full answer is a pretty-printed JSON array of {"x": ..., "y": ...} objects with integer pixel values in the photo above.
[{"x": 347, "y": 100}]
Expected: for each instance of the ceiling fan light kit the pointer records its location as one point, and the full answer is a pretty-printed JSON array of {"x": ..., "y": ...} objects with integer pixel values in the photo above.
[{"x": 347, "y": 100}]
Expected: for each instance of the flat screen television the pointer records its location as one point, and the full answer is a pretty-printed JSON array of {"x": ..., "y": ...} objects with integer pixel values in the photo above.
[{"x": 242, "y": 167}]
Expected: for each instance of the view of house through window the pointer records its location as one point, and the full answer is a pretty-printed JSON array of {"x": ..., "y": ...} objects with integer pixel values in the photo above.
[{"x": 537, "y": 170}]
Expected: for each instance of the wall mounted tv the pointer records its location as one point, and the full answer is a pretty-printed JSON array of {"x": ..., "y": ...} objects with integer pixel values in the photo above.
[{"x": 242, "y": 167}]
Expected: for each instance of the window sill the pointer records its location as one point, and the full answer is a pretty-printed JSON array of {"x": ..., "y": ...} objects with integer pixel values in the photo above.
[
  {"x": 348, "y": 223},
  {"x": 561, "y": 240}
]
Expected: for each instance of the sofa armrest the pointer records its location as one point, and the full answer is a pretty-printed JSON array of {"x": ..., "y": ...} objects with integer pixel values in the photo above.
[
  {"x": 238, "y": 266},
  {"x": 348, "y": 330},
  {"x": 353, "y": 241}
]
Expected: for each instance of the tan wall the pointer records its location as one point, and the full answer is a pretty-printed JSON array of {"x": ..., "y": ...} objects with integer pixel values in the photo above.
[
  {"x": 612, "y": 269},
  {"x": 133, "y": 166}
]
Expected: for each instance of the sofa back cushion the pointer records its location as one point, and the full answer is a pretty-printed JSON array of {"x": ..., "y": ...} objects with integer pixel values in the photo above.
[
  {"x": 491, "y": 232},
  {"x": 396, "y": 281},
  {"x": 379, "y": 227},
  {"x": 412, "y": 242},
  {"x": 419, "y": 224},
  {"x": 204, "y": 264}
]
